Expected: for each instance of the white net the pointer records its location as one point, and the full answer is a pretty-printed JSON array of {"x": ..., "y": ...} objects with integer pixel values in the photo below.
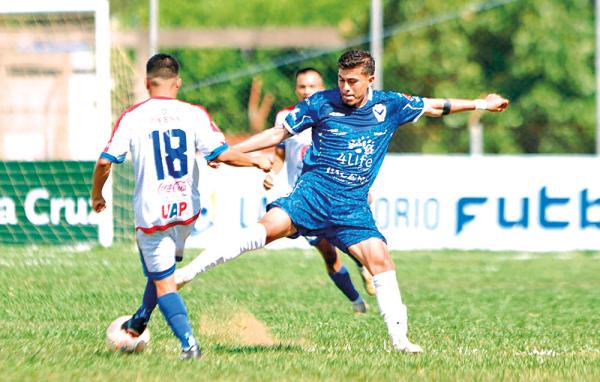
[
  {"x": 48, "y": 72},
  {"x": 54, "y": 120}
]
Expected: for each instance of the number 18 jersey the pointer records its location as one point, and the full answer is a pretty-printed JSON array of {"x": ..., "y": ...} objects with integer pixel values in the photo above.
[{"x": 163, "y": 136}]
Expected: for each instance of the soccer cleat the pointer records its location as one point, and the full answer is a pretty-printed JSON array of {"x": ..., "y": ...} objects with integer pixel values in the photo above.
[
  {"x": 359, "y": 307},
  {"x": 135, "y": 326},
  {"x": 367, "y": 280},
  {"x": 408, "y": 347},
  {"x": 191, "y": 353}
]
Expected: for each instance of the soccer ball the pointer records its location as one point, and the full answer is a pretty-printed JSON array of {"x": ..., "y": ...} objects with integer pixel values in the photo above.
[{"x": 119, "y": 339}]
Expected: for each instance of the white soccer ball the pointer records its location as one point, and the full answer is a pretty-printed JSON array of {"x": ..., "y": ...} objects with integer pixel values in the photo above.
[{"x": 119, "y": 339}]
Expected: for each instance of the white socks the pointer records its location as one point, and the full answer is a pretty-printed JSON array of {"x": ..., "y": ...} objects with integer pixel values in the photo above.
[
  {"x": 248, "y": 239},
  {"x": 391, "y": 307}
]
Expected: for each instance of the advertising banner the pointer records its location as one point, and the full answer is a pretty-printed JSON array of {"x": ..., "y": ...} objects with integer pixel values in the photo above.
[
  {"x": 46, "y": 202},
  {"x": 527, "y": 203}
]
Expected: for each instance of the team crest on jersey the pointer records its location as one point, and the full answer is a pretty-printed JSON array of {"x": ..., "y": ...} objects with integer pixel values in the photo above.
[{"x": 380, "y": 111}]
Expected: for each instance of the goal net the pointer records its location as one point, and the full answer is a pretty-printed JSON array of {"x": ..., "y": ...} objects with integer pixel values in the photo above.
[{"x": 54, "y": 119}]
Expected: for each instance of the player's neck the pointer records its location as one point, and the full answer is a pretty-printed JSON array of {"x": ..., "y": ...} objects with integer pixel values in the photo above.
[
  {"x": 158, "y": 92},
  {"x": 366, "y": 97},
  {"x": 363, "y": 102}
]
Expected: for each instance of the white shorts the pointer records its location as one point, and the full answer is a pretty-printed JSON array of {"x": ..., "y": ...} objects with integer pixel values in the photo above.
[{"x": 160, "y": 250}]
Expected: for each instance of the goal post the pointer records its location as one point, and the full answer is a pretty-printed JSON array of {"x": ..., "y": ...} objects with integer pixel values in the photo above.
[{"x": 55, "y": 117}]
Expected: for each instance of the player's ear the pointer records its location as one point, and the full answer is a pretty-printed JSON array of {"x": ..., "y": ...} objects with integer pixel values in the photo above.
[
  {"x": 371, "y": 79},
  {"x": 179, "y": 82},
  {"x": 148, "y": 83}
]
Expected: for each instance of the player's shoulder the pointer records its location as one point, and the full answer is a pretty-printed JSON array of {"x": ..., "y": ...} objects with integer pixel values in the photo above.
[
  {"x": 132, "y": 110},
  {"x": 194, "y": 108},
  {"x": 286, "y": 110},
  {"x": 394, "y": 96},
  {"x": 136, "y": 107},
  {"x": 321, "y": 98},
  {"x": 328, "y": 95}
]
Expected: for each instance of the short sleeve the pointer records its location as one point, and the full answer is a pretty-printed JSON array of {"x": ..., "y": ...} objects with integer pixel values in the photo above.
[
  {"x": 210, "y": 141},
  {"x": 118, "y": 146},
  {"x": 280, "y": 117},
  {"x": 301, "y": 117},
  {"x": 411, "y": 108}
]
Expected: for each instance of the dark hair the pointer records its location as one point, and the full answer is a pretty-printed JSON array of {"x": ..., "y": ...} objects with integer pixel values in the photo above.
[
  {"x": 307, "y": 70},
  {"x": 355, "y": 58},
  {"x": 162, "y": 65}
]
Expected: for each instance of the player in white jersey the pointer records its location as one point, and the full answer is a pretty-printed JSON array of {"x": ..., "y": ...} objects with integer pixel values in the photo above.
[
  {"x": 291, "y": 154},
  {"x": 163, "y": 135}
]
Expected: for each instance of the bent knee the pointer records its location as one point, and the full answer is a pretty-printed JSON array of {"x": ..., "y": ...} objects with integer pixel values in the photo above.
[
  {"x": 379, "y": 263},
  {"x": 277, "y": 224}
]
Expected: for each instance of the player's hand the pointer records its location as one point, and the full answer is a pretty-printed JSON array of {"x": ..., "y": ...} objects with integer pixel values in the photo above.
[
  {"x": 258, "y": 110},
  {"x": 496, "y": 103},
  {"x": 98, "y": 203},
  {"x": 264, "y": 163},
  {"x": 268, "y": 182},
  {"x": 213, "y": 164}
]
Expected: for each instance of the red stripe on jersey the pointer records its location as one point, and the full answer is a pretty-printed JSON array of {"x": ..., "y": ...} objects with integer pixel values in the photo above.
[
  {"x": 116, "y": 126},
  {"x": 167, "y": 226},
  {"x": 289, "y": 108}
]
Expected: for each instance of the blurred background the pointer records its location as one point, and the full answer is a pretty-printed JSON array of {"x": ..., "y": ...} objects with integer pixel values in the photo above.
[{"x": 539, "y": 54}]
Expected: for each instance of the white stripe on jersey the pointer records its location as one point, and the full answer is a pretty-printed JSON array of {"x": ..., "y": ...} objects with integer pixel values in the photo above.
[{"x": 163, "y": 136}]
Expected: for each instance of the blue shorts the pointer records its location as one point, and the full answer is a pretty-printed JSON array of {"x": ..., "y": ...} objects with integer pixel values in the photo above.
[{"x": 343, "y": 222}]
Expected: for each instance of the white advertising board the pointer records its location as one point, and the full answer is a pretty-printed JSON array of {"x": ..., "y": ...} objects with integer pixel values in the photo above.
[{"x": 526, "y": 203}]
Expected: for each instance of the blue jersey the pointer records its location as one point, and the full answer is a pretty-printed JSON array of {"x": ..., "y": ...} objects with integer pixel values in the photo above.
[{"x": 349, "y": 143}]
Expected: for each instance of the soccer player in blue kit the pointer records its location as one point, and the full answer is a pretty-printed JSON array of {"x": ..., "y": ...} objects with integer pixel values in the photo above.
[{"x": 351, "y": 130}]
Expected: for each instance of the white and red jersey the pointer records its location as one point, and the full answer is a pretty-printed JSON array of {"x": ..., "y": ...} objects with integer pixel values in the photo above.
[
  {"x": 163, "y": 136},
  {"x": 295, "y": 147}
]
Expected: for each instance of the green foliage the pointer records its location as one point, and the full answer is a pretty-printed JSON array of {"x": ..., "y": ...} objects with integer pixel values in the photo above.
[
  {"x": 479, "y": 316},
  {"x": 538, "y": 54},
  {"x": 240, "y": 13}
]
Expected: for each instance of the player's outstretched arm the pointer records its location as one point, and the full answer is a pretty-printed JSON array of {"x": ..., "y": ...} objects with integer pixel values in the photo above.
[
  {"x": 101, "y": 173},
  {"x": 236, "y": 158},
  {"x": 437, "y": 107},
  {"x": 262, "y": 140}
]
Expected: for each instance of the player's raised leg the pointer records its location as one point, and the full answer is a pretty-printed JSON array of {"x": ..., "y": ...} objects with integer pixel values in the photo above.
[
  {"x": 374, "y": 253},
  {"x": 338, "y": 273},
  {"x": 275, "y": 224}
]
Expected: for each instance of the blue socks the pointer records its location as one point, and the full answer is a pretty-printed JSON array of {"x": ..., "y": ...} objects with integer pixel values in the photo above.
[
  {"x": 342, "y": 280},
  {"x": 173, "y": 308},
  {"x": 148, "y": 302}
]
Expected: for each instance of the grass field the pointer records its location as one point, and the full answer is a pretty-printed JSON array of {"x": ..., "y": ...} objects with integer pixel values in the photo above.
[{"x": 274, "y": 315}]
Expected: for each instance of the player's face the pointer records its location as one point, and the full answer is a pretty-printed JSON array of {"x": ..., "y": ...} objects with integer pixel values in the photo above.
[
  {"x": 308, "y": 84},
  {"x": 354, "y": 85}
]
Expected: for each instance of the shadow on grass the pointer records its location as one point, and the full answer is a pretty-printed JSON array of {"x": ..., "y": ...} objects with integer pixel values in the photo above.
[{"x": 275, "y": 348}]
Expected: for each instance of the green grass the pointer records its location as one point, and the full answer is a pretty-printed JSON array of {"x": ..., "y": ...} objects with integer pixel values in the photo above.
[{"x": 274, "y": 315}]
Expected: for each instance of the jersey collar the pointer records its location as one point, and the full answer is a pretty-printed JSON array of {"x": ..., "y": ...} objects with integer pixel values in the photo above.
[
  {"x": 161, "y": 97},
  {"x": 369, "y": 97}
]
